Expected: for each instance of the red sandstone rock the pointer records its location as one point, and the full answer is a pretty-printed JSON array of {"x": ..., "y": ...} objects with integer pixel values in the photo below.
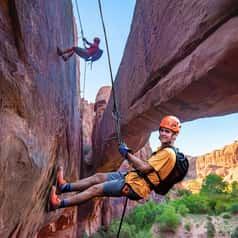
[
  {"x": 39, "y": 116},
  {"x": 179, "y": 59},
  {"x": 105, "y": 209},
  {"x": 219, "y": 161}
]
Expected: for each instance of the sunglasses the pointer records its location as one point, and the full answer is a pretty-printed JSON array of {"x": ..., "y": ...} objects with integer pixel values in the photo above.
[{"x": 167, "y": 131}]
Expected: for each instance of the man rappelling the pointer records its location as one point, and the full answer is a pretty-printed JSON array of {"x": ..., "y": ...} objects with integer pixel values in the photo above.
[
  {"x": 160, "y": 172},
  {"x": 91, "y": 53}
]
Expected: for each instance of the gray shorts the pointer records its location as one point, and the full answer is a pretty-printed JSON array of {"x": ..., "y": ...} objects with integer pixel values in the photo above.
[
  {"x": 81, "y": 52},
  {"x": 114, "y": 185}
]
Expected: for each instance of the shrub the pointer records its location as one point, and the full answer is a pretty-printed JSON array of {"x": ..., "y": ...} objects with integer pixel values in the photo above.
[
  {"x": 168, "y": 220},
  {"x": 187, "y": 226},
  {"x": 127, "y": 230},
  {"x": 196, "y": 203},
  {"x": 182, "y": 209},
  {"x": 167, "y": 197},
  {"x": 220, "y": 207},
  {"x": 234, "y": 234},
  {"x": 144, "y": 215},
  {"x": 234, "y": 208},
  {"x": 210, "y": 229},
  {"x": 226, "y": 216},
  {"x": 183, "y": 192},
  {"x": 143, "y": 234},
  {"x": 214, "y": 184},
  {"x": 234, "y": 186}
]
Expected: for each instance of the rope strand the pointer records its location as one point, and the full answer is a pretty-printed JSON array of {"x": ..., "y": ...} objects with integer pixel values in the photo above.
[
  {"x": 115, "y": 107},
  {"x": 81, "y": 26},
  {"x": 116, "y": 115}
]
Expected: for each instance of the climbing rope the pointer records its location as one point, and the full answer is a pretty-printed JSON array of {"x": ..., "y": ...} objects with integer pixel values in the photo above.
[
  {"x": 115, "y": 107},
  {"x": 116, "y": 115},
  {"x": 115, "y": 112},
  {"x": 81, "y": 26}
]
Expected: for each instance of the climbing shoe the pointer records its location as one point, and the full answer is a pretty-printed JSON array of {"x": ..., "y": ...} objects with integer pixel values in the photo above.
[
  {"x": 60, "y": 176},
  {"x": 55, "y": 202},
  {"x": 62, "y": 186},
  {"x": 59, "y": 51}
]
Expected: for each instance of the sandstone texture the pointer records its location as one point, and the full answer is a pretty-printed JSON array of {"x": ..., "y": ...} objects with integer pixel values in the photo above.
[
  {"x": 180, "y": 58},
  {"x": 87, "y": 119},
  {"x": 39, "y": 116},
  {"x": 223, "y": 162},
  {"x": 102, "y": 210}
]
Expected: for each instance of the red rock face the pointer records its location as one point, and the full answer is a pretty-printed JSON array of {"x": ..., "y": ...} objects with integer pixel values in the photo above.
[
  {"x": 223, "y": 162},
  {"x": 102, "y": 211},
  {"x": 180, "y": 59},
  {"x": 39, "y": 115}
]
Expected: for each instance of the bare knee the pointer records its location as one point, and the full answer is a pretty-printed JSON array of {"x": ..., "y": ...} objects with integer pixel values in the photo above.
[
  {"x": 99, "y": 178},
  {"x": 96, "y": 190}
]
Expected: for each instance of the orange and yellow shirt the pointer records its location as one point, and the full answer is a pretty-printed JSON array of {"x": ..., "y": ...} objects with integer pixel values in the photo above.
[{"x": 162, "y": 161}]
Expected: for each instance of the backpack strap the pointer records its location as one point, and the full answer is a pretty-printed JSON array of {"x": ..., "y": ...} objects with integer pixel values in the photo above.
[
  {"x": 173, "y": 148},
  {"x": 144, "y": 176}
]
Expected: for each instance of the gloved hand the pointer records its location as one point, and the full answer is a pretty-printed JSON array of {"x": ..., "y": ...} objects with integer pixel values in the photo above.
[
  {"x": 124, "y": 150},
  {"x": 84, "y": 39}
]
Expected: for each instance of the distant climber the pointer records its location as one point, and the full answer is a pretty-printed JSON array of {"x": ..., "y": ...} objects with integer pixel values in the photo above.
[
  {"x": 91, "y": 53},
  {"x": 159, "y": 172}
]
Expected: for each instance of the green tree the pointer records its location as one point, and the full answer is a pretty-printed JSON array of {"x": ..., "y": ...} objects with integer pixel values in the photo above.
[
  {"x": 214, "y": 184},
  {"x": 183, "y": 192},
  {"x": 234, "y": 187},
  {"x": 168, "y": 220}
]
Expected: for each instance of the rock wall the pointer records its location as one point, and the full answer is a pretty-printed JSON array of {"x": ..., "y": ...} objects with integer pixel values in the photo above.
[
  {"x": 223, "y": 162},
  {"x": 102, "y": 210},
  {"x": 39, "y": 116},
  {"x": 192, "y": 172},
  {"x": 87, "y": 118},
  {"x": 180, "y": 58}
]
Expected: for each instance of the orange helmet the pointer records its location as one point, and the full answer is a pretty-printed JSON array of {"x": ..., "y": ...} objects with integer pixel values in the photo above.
[
  {"x": 96, "y": 40},
  {"x": 171, "y": 122}
]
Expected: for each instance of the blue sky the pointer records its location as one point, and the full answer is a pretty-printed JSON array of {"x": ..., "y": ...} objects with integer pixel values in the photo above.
[
  {"x": 204, "y": 135},
  {"x": 117, "y": 18},
  {"x": 197, "y": 137}
]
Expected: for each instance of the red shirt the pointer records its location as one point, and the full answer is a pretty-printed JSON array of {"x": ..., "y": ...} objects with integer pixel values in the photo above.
[{"x": 92, "y": 49}]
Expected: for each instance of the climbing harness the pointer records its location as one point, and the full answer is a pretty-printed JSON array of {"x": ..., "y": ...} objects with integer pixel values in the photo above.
[
  {"x": 115, "y": 112},
  {"x": 95, "y": 56}
]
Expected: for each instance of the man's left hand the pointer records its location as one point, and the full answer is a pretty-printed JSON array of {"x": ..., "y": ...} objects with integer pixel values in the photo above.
[{"x": 124, "y": 150}]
